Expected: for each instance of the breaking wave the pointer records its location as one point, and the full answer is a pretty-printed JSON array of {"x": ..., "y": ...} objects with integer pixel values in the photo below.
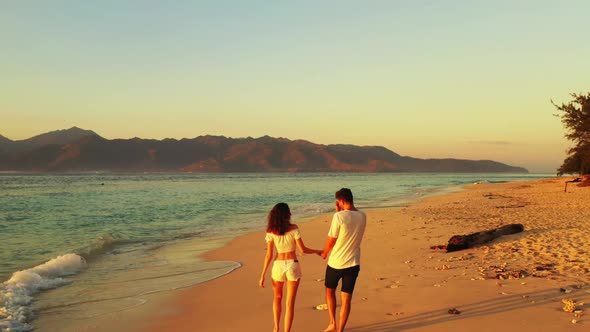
[{"x": 17, "y": 293}]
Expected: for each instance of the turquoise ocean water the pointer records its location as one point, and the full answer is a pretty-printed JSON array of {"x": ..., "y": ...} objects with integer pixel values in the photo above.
[{"x": 101, "y": 241}]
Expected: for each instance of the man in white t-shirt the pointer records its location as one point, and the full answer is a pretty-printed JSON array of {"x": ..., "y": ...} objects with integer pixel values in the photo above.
[{"x": 344, "y": 243}]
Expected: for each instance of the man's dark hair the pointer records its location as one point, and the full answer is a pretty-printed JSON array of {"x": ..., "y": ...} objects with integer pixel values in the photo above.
[{"x": 345, "y": 194}]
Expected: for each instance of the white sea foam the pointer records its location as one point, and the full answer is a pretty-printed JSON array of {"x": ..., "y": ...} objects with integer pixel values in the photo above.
[{"x": 16, "y": 294}]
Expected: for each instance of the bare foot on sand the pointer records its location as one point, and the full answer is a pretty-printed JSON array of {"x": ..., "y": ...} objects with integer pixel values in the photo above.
[{"x": 330, "y": 328}]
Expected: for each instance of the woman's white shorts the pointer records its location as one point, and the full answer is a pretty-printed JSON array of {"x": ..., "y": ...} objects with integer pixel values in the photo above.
[{"x": 286, "y": 270}]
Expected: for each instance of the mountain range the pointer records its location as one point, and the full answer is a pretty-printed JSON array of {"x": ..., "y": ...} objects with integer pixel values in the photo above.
[{"x": 79, "y": 150}]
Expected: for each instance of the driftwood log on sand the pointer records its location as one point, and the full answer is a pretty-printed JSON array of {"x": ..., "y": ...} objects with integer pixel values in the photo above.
[{"x": 460, "y": 242}]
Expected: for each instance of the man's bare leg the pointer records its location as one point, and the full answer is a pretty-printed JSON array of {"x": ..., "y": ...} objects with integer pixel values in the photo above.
[
  {"x": 344, "y": 310},
  {"x": 331, "y": 301}
]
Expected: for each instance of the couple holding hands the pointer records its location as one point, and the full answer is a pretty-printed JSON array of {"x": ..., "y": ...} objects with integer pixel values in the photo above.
[{"x": 342, "y": 245}]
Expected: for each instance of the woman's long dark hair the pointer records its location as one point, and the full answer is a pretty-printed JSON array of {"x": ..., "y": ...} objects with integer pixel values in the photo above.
[{"x": 279, "y": 219}]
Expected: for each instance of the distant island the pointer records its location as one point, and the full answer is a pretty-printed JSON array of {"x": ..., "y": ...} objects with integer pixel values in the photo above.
[{"x": 78, "y": 150}]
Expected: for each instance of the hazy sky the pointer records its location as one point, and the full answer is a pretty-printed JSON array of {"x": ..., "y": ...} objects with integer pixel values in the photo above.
[{"x": 429, "y": 79}]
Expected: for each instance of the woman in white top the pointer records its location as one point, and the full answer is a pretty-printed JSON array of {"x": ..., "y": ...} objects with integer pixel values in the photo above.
[{"x": 283, "y": 235}]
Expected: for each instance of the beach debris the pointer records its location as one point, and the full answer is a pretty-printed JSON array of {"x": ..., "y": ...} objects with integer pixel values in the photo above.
[
  {"x": 394, "y": 286},
  {"x": 365, "y": 298},
  {"x": 444, "y": 267},
  {"x": 466, "y": 256},
  {"x": 571, "y": 181},
  {"x": 453, "y": 311},
  {"x": 544, "y": 267},
  {"x": 407, "y": 262},
  {"x": 502, "y": 272},
  {"x": 566, "y": 290},
  {"x": 511, "y": 275},
  {"x": 436, "y": 285},
  {"x": 569, "y": 305},
  {"x": 574, "y": 321},
  {"x": 378, "y": 278},
  {"x": 319, "y": 280},
  {"x": 323, "y": 306}
]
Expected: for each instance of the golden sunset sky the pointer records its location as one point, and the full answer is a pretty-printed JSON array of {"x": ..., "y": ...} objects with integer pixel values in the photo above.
[{"x": 428, "y": 79}]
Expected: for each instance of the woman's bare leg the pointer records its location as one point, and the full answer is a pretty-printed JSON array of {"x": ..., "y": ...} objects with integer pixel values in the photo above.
[
  {"x": 277, "y": 288},
  {"x": 292, "y": 287}
]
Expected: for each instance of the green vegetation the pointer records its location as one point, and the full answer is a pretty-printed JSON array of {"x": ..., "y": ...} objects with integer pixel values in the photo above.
[{"x": 575, "y": 116}]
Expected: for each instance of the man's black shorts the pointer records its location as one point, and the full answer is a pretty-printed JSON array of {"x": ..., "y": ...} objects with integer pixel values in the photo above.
[{"x": 348, "y": 276}]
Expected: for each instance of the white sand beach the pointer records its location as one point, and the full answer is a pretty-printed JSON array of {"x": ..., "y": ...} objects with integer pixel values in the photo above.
[{"x": 514, "y": 283}]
